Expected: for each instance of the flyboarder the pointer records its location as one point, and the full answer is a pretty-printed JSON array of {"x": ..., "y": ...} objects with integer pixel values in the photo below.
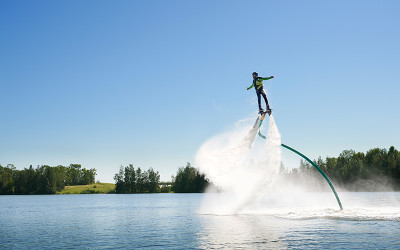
[{"x": 258, "y": 85}]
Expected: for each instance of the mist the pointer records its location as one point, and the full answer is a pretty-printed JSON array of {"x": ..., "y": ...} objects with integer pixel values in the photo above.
[
  {"x": 248, "y": 179},
  {"x": 242, "y": 169}
]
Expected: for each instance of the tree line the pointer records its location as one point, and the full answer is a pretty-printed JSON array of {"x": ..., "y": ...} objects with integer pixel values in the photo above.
[
  {"x": 129, "y": 181},
  {"x": 49, "y": 180},
  {"x": 188, "y": 180},
  {"x": 43, "y": 179},
  {"x": 354, "y": 171},
  {"x": 377, "y": 169}
]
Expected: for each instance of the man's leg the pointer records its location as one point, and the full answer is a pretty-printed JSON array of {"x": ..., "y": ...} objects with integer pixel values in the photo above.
[
  {"x": 259, "y": 100},
  {"x": 265, "y": 98}
]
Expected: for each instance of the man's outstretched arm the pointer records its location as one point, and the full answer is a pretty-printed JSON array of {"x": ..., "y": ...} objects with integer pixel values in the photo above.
[{"x": 266, "y": 78}]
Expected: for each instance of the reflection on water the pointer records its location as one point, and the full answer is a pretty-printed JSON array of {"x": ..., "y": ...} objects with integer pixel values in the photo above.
[
  {"x": 369, "y": 220},
  {"x": 242, "y": 231}
]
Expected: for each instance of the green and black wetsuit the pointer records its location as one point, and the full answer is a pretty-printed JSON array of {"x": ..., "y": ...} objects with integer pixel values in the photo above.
[{"x": 258, "y": 85}]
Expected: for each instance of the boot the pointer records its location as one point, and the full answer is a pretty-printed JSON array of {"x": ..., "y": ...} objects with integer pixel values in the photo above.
[{"x": 269, "y": 110}]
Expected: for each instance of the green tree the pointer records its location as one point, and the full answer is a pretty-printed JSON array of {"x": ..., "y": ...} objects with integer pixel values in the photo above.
[
  {"x": 189, "y": 180},
  {"x": 139, "y": 181},
  {"x": 130, "y": 179},
  {"x": 394, "y": 163},
  {"x": 376, "y": 161},
  {"x": 153, "y": 181},
  {"x": 73, "y": 174},
  {"x": 119, "y": 181},
  {"x": 6, "y": 179},
  {"x": 331, "y": 168}
]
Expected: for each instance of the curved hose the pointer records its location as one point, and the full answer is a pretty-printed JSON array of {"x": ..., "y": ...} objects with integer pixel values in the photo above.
[
  {"x": 319, "y": 170},
  {"x": 311, "y": 162}
]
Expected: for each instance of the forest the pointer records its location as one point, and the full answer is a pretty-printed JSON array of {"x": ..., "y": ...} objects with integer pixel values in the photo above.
[
  {"x": 43, "y": 179},
  {"x": 187, "y": 180},
  {"x": 376, "y": 170}
]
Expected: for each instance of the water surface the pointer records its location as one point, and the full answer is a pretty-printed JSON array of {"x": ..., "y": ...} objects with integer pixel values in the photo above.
[{"x": 370, "y": 220}]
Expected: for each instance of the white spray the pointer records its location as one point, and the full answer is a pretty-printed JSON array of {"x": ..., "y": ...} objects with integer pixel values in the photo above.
[
  {"x": 250, "y": 182},
  {"x": 242, "y": 173}
]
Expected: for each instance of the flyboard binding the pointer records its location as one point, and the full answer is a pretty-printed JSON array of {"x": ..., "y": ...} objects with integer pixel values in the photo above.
[{"x": 268, "y": 111}]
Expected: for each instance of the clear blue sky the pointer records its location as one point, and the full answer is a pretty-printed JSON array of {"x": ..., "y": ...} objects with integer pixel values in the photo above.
[{"x": 109, "y": 83}]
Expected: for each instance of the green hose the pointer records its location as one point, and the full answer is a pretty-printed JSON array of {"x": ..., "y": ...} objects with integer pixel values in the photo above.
[
  {"x": 319, "y": 170},
  {"x": 311, "y": 162}
]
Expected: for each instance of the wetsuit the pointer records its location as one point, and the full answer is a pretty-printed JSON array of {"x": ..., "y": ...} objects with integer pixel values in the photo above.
[{"x": 258, "y": 85}]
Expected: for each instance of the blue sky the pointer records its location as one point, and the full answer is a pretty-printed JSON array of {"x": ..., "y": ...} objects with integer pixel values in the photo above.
[{"x": 109, "y": 83}]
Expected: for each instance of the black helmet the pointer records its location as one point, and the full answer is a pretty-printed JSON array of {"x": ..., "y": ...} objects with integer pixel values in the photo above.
[{"x": 255, "y": 73}]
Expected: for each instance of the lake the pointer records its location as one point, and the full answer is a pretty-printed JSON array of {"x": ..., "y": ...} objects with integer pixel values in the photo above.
[{"x": 179, "y": 221}]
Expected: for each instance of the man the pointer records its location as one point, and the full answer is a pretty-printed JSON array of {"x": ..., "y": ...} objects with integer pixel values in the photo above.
[{"x": 258, "y": 85}]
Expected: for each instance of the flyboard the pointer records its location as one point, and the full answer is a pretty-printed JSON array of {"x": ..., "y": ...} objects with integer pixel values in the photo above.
[{"x": 260, "y": 118}]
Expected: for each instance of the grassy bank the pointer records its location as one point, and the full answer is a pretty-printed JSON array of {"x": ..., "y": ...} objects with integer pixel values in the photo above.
[{"x": 95, "y": 188}]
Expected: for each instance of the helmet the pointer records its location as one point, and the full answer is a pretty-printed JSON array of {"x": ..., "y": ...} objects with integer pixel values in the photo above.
[{"x": 255, "y": 73}]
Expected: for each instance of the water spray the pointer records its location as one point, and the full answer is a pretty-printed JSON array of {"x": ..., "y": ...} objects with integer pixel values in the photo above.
[
  {"x": 241, "y": 174},
  {"x": 312, "y": 163}
]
